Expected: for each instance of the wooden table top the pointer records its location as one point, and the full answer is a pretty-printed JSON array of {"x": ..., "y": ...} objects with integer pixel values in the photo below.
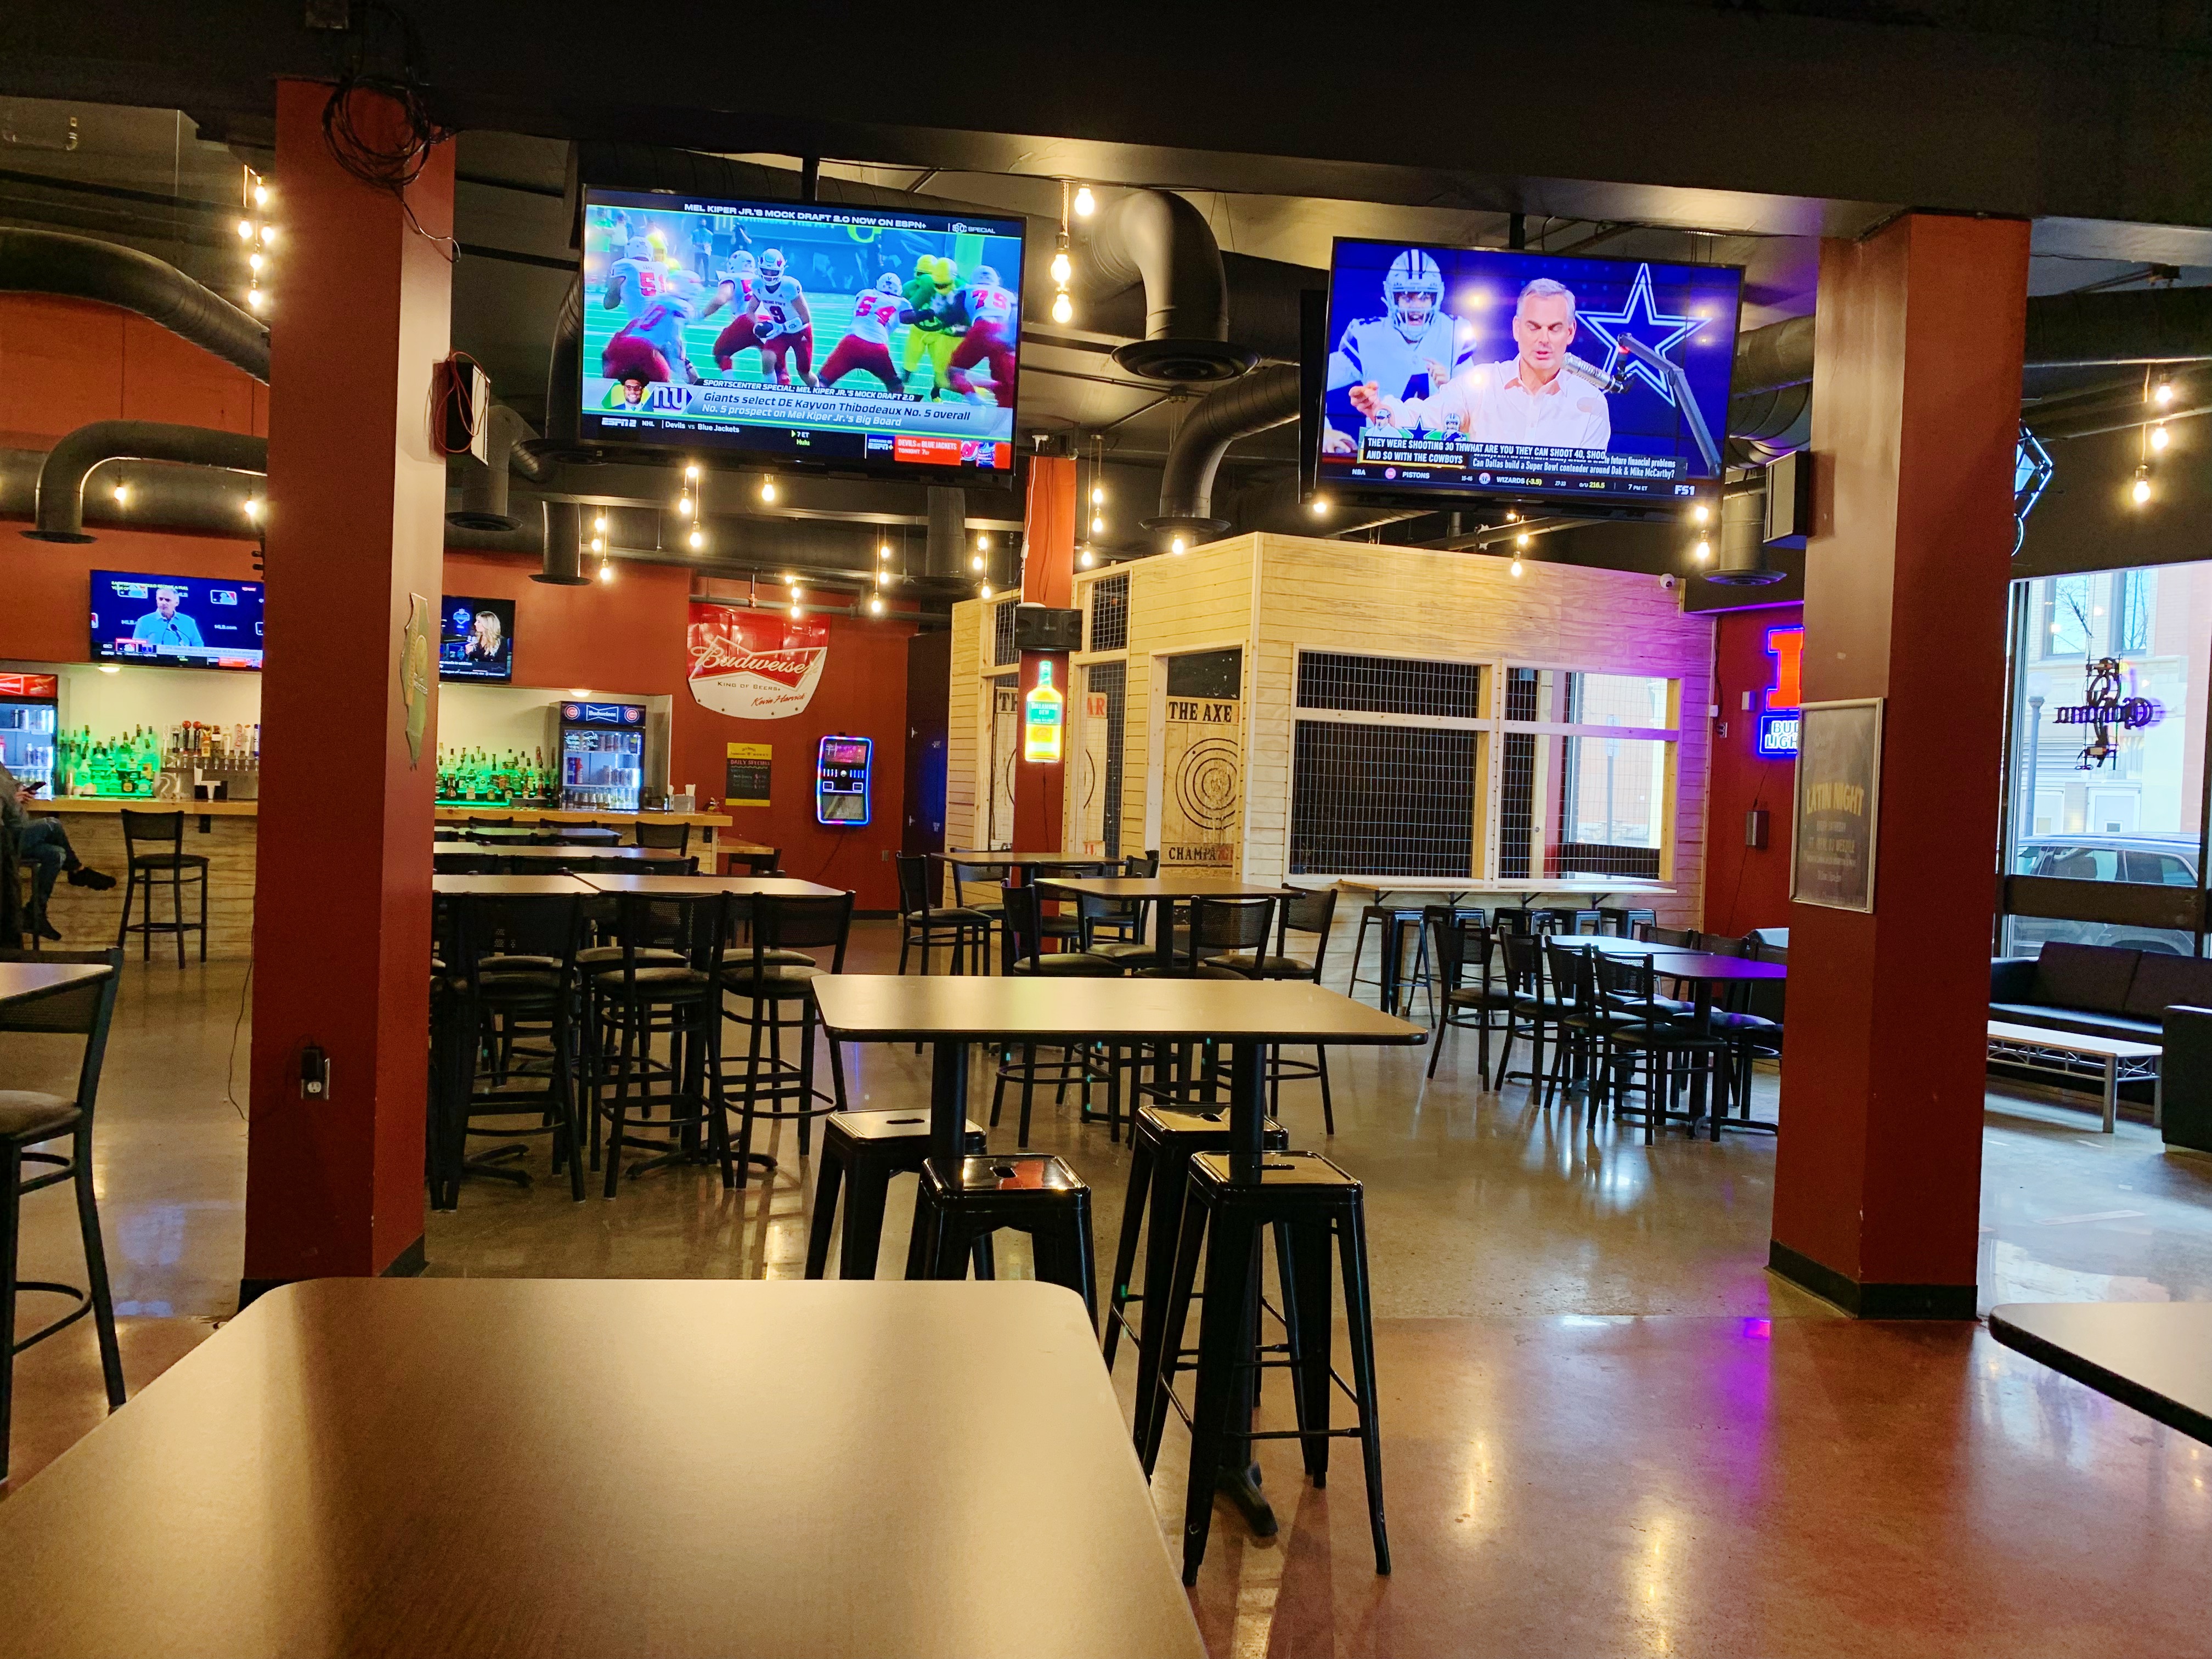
[
  {"x": 2078, "y": 1043},
  {"x": 1026, "y": 860},
  {"x": 2153, "y": 1356},
  {"x": 633, "y": 855},
  {"x": 1585, "y": 886},
  {"x": 609, "y": 1468},
  {"x": 490, "y": 832},
  {"x": 1676, "y": 962},
  {"x": 1190, "y": 883},
  {"x": 510, "y": 886},
  {"x": 21, "y": 981},
  {"x": 683, "y": 886},
  {"x": 920, "y": 1007}
]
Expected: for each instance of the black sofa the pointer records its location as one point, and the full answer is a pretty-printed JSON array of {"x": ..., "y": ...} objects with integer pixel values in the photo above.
[{"x": 2097, "y": 990}]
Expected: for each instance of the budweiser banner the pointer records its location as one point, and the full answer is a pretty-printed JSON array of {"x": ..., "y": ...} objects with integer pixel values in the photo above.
[{"x": 757, "y": 665}]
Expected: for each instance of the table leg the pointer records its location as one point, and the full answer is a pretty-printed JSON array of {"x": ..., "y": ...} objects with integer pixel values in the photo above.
[
  {"x": 2112, "y": 1091},
  {"x": 1240, "y": 1482},
  {"x": 1386, "y": 993},
  {"x": 948, "y": 1126}
]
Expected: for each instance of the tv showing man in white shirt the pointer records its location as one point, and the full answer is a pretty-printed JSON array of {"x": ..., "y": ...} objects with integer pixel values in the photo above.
[{"x": 1542, "y": 397}]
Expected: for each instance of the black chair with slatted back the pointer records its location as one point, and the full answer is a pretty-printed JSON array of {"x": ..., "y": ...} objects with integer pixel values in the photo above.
[
  {"x": 1220, "y": 927},
  {"x": 1750, "y": 1032},
  {"x": 1473, "y": 998},
  {"x": 762, "y": 988},
  {"x": 1081, "y": 1064},
  {"x": 1532, "y": 1010},
  {"x": 1673, "y": 1050},
  {"x": 154, "y": 847},
  {"x": 1312, "y": 915},
  {"x": 29, "y": 1122},
  {"x": 672, "y": 837},
  {"x": 929, "y": 926}
]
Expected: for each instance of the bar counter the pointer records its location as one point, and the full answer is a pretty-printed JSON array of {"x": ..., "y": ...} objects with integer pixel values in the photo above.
[{"x": 225, "y": 833}]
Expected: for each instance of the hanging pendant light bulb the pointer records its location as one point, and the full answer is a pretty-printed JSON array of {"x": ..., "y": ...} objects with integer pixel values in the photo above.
[
  {"x": 1063, "y": 267},
  {"x": 797, "y": 613},
  {"x": 1097, "y": 494},
  {"x": 246, "y": 230},
  {"x": 599, "y": 525},
  {"x": 123, "y": 495},
  {"x": 1085, "y": 559},
  {"x": 1703, "y": 551},
  {"x": 1177, "y": 546},
  {"x": 684, "y": 507},
  {"x": 606, "y": 570},
  {"x": 1516, "y": 567},
  {"x": 1063, "y": 309},
  {"x": 985, "y": 591},
  {"x": 1521, "y": 540},
  {"x": 2139, "y": 492},
  {"x": 598, "y": 543},
  {"x": 876, "y": 605},
  {"x": 768, "y": 489},
  {"x": 1700, "y": 513},
  {"x": 1085, "y": 203},
  {"x": 884, "y": 550},
  {"x": 698, "y": 540},
  {"x": 1320, "y": 506},
  {"x": 1098, "y": 524},
  {"x": 2159, "y": 436},
  {"x": 975, "y": 562}
]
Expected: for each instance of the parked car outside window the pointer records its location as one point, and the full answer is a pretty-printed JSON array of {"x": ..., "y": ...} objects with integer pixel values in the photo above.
[{"x": 2158, "y": 860}]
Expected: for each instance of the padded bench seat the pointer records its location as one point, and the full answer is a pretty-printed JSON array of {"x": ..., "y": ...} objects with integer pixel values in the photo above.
[{"x": 2097, "y": 990}]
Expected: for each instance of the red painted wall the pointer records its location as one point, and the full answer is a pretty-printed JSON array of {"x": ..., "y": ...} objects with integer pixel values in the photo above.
[
  {"x": 627, "y": 635},
  {"x": 1747, "y": 887},
  {"x": 65, "y": 362}
]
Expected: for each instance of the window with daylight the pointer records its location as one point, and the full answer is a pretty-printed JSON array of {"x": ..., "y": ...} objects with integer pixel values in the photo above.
[
  {"x": 2106, "y": 772},
  {"x": 1587, "y": 777}
]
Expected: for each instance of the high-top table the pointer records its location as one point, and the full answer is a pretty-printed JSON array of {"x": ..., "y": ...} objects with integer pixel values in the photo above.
[
  {"x": 949, "y": 1011},
  {"x": 2153, "y": 1356},
  {"x": 497, "y": 1467},
  {"x": 557, "y": 886},
  {"x": 25, "y": 981},
  {"x": 691, "y": 886}
]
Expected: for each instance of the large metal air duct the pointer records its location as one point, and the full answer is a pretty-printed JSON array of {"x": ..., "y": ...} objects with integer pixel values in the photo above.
[
  {"x": 484, "y": 484},
  {"x": 944, "y": 554},
  {"x": 190, "y": 501},
  {"x": 58, "y": 512},
  {"x": 1157, "y": 238},
  {"x": 1266, "y": 398},
  {"x": 80, "y": 268},
  {"x": 563, "y": 560}
]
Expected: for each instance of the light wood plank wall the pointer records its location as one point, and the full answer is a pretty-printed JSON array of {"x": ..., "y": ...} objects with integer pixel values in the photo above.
[{"x": 1273, "y": 594}]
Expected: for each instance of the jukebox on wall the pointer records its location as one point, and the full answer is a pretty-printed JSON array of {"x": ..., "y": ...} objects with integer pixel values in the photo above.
[{"x": 842, "y": 767}]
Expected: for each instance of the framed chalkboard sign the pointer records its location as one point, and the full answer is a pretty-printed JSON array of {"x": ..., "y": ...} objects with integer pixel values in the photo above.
[{"x": 1832, "y": 852}]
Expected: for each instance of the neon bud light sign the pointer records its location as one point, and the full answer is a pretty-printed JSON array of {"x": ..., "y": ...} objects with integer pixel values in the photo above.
[{"x": 1777, "y": 720}]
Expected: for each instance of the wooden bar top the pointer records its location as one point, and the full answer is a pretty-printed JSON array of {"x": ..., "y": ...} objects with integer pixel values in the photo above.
[
  {"x": 613, "y": 1467},
  {"x": 489, "y": 814},
  {"x": 209, "y": 809}
]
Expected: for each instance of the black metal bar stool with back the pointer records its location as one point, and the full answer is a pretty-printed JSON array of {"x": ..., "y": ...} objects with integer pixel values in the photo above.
[
  {"x": 641, "y": 994},
  {"x": 162, "y": 836},
  {"x": 1312, "y": 914},
  {"x": 1473, "y": 998},
  {"x": 29, "y": 1121},
  {"x": 760, "y": 984},
  {"x": 509, "y": 986}
]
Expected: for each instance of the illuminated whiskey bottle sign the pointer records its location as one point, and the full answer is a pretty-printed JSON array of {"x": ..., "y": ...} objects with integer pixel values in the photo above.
[{"x": 1044, "y": 716}]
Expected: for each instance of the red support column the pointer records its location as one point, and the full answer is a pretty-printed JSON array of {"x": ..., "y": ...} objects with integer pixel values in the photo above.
[
  {"x": 1916, "y": 414},
  {"x": 1048, "y": 578},
  {"x": 359, "y": 312}
]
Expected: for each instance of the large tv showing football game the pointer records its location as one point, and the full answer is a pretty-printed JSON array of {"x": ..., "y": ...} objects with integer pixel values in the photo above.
[
  {"x": 852, "y": 337},
  {"x": 177, "y": 622},
  {"x": 1482, "y": 373}
]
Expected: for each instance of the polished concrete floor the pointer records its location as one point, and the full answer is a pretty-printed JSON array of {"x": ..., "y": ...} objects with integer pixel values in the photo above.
[{"x": 1607, "y": 1428}]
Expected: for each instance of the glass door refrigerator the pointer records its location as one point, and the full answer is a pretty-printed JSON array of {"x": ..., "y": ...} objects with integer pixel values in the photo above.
[
  {"x": 602, "y": 750},
  {"x": 26, "y": 728}
]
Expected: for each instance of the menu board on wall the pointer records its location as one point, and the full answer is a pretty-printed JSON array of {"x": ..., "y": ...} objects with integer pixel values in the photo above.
[
  {"x": 1202, "y": 774},
  {"x": 757, "y": 665},
  {"x": 746, "y": 767},
  {"x": 1838, "y": 804}
]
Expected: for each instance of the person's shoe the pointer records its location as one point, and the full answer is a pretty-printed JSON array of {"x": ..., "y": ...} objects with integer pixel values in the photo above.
[
  {"x": 47, "y": 930},
  {"x": 86, "y": 876}
]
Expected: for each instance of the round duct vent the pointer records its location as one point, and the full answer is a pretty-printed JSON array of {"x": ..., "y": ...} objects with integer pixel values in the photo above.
[
  {"x": 1757, "y": 575},
  {"x": 1185, "y": 362},
  {"x": 465, "y": 519}
]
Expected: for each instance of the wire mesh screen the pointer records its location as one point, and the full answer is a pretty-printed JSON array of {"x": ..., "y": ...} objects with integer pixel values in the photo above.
[
  {"x": 1381, "y": 800},
  {"x": 1005, "y": 743},
  {"x": 1110, "y": 613},
  {"x": 1105, "y": 687},
  {"x": 1516, "y": 809},
  {"x": 1389, "y": 686},
  {"x": 1002, "y": 635},
  {"x": 1521, "y": 689}
]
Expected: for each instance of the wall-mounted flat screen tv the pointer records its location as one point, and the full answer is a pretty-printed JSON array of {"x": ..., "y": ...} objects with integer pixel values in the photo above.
[
  {"x": 178, "y": 621},
  {"x": 851, "y": 338},
  {"x": 476, "y": 639},
  {"x": 1479, "y": 373}
]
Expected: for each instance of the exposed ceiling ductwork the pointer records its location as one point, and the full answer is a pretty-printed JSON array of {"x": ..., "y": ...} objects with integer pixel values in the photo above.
[
  {"x": 484, "y": 483},
  {"x": 1158, "y": 240},
  {"x": 1266, "y": 398},
  {"x": 80, "y": 268},
  {"x": 58, "y": 512}
]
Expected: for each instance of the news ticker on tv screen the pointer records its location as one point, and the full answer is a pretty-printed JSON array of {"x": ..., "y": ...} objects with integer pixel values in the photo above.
[
  {"x": 1478, "y": 372},
  {"x": 851, "y": 336}
]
